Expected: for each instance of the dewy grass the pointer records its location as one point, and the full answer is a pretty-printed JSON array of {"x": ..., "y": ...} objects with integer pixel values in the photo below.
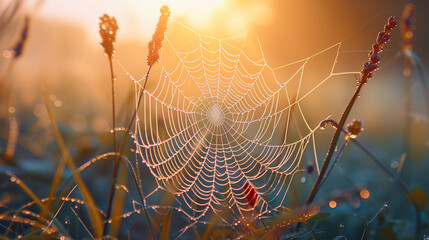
[
  {"x": 36, "y": 200},
  {"x": 94, "y": 215},
  {"x": 368, "y": 68},
  {"x": 218, "y": 225}
]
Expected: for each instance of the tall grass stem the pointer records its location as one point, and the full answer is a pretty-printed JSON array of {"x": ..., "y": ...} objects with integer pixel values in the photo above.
[
  {"x": 118, "y": 158},
  {"x": 369, "y": 67},
  {"x": 333, "y": 145}
]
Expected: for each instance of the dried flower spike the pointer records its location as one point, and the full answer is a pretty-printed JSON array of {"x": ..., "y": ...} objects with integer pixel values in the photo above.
[
  {"x": 372, "y": 63},
  {"x": 108, "y": 29},
  {"x": 408, "y": 27},
  {"x": 155, "y": 44}
]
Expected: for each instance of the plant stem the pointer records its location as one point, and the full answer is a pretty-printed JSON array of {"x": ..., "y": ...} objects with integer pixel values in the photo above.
[
  {"x": 340, "y": 153},
  {"x": 118, "y": 158},
  {"x": 333, "y": 145},
  {"x": 367, "y": 223},
  {"x": 112, "y": 77}
]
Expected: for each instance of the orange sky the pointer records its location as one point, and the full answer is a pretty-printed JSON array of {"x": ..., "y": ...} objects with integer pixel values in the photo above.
[{"x": 137, "y": 18}]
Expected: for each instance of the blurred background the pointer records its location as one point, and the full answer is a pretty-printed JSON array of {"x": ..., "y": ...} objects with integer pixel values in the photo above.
[
  {"x": 62, "y": 53},
  {"x": 63, "y": 42}
]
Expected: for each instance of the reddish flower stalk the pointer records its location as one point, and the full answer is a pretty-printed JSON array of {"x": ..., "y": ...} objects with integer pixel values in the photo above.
[
  {"x": 371, "y": 64},
  {"x": 369, "y": 67}
]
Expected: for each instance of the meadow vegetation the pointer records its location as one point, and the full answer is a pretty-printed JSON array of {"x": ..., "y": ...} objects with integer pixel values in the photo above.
[{"x": 68, "y": 171}]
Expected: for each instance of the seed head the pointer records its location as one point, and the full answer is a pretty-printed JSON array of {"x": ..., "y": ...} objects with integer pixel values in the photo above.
[
  {"x": 371, "y": 64},
  {"x": 354, "y": 128},
  {"x": 155, "y": 44},
  {"x": 108, "y": 29}
]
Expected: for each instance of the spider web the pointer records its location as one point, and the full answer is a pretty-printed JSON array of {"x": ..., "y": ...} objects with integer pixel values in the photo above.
[{"x": 221, "y": 129}]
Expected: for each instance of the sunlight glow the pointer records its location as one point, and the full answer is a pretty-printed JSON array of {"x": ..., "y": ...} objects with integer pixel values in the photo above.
[
  {"x": 186, "y": 4},
  {"x": 196, "y": 12},
  {"x": 137, "y": 18}
]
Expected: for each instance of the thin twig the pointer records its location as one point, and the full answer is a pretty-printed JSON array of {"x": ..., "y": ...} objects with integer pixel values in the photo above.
[{"x": 367, "y": 223}]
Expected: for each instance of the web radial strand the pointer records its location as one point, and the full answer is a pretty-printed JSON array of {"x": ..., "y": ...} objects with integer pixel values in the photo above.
[{"x": 210, "y": 123}]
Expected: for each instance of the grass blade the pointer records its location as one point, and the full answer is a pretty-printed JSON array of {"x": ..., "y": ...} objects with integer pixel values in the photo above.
[
  {"x": 118, "y": 201},
  {"x": 35, "y": 198},
  {"x": 166, "y": 228},
  {"x": 96, "y": 219}
]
